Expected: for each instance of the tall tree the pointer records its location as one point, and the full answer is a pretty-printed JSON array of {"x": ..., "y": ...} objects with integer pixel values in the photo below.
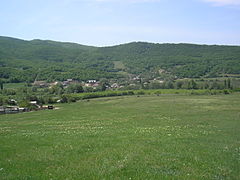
[{"x": 1, "y": 84}]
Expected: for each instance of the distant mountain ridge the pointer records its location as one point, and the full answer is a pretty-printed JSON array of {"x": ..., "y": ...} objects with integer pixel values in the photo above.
[{"x": 22, "y": 60}]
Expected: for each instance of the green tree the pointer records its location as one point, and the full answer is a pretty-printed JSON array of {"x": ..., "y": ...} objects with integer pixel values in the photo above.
[
  {"x": 74, "y": 88},
  {"x": 179, "y": 84},
  {"x": 229, "y": 84},
  {"x": 1, "y": 84},
  {"x": 169, "y": 85},
  {"x": 78, "y": 88},
  {"x": 1, "y": 101},
  {"x": 192, "y": 84}
]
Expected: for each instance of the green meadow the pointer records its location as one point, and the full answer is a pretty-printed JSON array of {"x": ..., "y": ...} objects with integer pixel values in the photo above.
[
  {"x": 128, "y": 137},
  {"x": 14, "y": 85}
]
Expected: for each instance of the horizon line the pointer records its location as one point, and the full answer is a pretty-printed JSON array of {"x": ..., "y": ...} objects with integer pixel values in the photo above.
[{"x": 118, "y": 44}]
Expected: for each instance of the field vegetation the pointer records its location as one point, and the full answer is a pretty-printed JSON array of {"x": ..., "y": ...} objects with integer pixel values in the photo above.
[{"x": 129, "y": 137}]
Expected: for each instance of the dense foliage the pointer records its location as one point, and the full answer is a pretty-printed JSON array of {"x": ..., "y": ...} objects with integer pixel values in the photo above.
[{"x": 25, "y": 61}]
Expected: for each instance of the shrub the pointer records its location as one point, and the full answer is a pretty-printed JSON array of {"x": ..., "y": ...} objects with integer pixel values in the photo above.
[
  {"x": 140, "y": 92},
  {"x": 226, "y": 91}
]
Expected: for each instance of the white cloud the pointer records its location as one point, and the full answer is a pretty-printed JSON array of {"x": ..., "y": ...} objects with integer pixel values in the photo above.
[{"x": 224, "y": 2}]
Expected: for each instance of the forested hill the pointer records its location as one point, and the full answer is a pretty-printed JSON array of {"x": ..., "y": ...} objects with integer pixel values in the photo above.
[{"x": 22, "y": 60}]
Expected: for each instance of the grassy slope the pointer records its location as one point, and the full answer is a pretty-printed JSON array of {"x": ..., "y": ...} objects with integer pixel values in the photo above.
[
  {"x": 118, "y": 65},
  {"x": 14, "y": 85},
  {"x": 170, "y": 136}
]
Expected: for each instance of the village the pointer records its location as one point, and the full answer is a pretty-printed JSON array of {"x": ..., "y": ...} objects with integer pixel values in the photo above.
[
  {"x": 16, "y": 109},
  {"x": 91, "y": 85},
  {"x": 110, "y": 84},
  {"x": 41, "y": 95}
]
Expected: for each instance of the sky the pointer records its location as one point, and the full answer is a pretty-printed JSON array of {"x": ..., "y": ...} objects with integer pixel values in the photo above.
[{"x": 112, "y": 22}]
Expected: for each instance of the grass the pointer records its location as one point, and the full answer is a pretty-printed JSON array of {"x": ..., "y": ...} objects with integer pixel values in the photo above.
[
  {"x": 146, "y": 137},
  {"x": 118, "y": 65},
  {"x": 14, "y": 85},
  {"x": 90, "y": 95}
]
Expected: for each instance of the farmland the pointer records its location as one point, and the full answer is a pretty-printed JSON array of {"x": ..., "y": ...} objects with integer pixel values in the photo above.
[{"x": 147, "y": 137}]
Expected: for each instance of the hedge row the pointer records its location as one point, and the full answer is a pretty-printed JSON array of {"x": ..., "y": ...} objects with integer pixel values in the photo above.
[{"x": 81, "y": 96}]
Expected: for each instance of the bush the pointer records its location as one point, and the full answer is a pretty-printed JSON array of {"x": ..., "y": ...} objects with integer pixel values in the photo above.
[
  {"x": 140, "y": 92},
  {"x": 157, "y": 92},
  {"x": 226, "y": 91},
  {"x": 130, "y": 93}
]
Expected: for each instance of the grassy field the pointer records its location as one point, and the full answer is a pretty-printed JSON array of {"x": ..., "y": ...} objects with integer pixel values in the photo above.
[
  {"x": 118, "y": 65},
  {"x": 14, "y": 85},
  {"x": 146, "y": 137}
]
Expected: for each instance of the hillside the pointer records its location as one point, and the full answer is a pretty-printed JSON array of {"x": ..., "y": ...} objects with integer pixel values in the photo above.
[
  {"x": 22, "y": 61},
  {"x": 183, "y": 60}
]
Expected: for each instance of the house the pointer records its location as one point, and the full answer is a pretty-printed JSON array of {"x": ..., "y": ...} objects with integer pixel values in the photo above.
[
  {"x": 65, "y": 83},
  {"x": 47, "y": 107},
  {"x": 69, "y": 81},
  {"x": 136, "y": 78},
  {"x": 53, "y": 84},
  {"x": 11, "y": 109},
  {"x": 2, "y": 110},
  {"x": 87, "y": 84},
  {"x": 40, "y": 84},
  {"x": 50, "y": 107},
  {"x": 114, "y": 85},
  {"x": 161, "y": 71},
  {"x": 93, "y": 85},
  {"x": 22, "y": 109},
  {"x": 91, "y": 81},
  {"x": 34, "y": 103},
  {"x": 12, "y": 102}
]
